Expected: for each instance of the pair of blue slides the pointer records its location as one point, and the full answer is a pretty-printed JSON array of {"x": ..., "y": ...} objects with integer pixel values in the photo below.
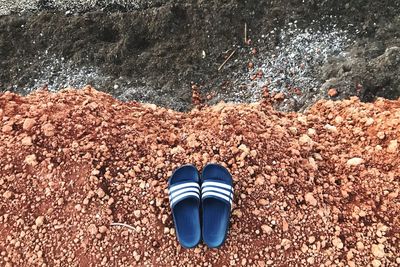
[{"x": 201, "y": 206}]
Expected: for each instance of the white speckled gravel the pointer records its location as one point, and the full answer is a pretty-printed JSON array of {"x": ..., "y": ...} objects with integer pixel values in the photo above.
[
  {"x": 292, "y": 64},
  {"x": 7, "y": 6}
]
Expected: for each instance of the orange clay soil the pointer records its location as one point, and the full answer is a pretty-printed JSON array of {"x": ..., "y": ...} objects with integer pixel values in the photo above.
[{"x": 320, "y": 188}]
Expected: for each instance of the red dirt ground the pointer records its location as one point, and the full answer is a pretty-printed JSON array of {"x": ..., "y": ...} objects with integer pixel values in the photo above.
[{"x": 320, "y": 188}]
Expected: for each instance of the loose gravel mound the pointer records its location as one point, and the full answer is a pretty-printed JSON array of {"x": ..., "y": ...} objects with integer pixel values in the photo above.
[
  {"x": 154, "y": 50},
  {"x": 320, "y": 188}
]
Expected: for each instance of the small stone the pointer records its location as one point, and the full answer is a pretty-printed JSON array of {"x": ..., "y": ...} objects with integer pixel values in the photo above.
[
  {"x": 244, "y": 148},
  {"x": 360, "y": 245},
  {"x": 378, "y": 233},
  {"x": 311, "y": 239},
  {"x": 309, "y": 198},
  {"x": 393, "y": 146},
  {"x": 285, "y": 225},
  {"x": 313, "y": 164},
  {"x": 26, "y": 141},
  {"x": 103, "y": 148},
  {"x": 293, "y": 130},
  {"x": 39, "y": 221},
  {"x": 331, "y": 128},
  {"x": 39, "y": 254},
  {"x": 7, "y": 194},
  {"x": 362, "y": 213},
  {"x": 159, "y": 202},
  {"x": 136, "y": 256},
  {"x": 369, "y": 121},
  {"x": 136, "y": 168},
  {"x": 263, "y": 202},
  {"x": 28, "y": 124},
  {"x": 78, "y": 207},
  {"x": 266, "y": 229},
  {"x": 332, "y": 92},
  {"x": 31, "y": 160},
  {"x": 355, "y": 161},
  {"x": 259, "y": 180},
  {"x": 311, "y": 132},
  {"x": 177, "y": 150},
  {"x": 286, "y": 243},
  {"x": 237, "y": 213},
  {"x": 378, "y": 250},
  {"x": 376, "y": 263},
  {"x": 338, "y": 119},
  {"x": 7, "y": 128},
  {"x": 137, "y": 213},
  {"x": 318, "y": 156},
  {"x": 166, "y": 230},
  {"x": 381, "y": 135},
  {"x": 349, "y": 255},
  {"x": 92, "y": 229},
  {"x": 337, "y": 242},
  {"x": 164, "y": 218},
  {"x": 100, "y": 193},
  {"x": 102, "y": 229},
  {"x": 48, "y": 129},
  {"x": 305, "y": 140}
]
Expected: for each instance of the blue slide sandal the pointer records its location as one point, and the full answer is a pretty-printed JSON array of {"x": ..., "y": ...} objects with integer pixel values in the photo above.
[
  {"x": 216, "y": 196},
  {"x": 184, "y": 197}
]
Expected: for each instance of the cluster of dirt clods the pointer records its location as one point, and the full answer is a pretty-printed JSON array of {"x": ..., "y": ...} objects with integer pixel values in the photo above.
[{"x": 320, "y": 188}]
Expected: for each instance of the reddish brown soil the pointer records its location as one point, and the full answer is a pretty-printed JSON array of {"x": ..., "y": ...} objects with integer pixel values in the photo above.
[{"x": 320, "y": 188}]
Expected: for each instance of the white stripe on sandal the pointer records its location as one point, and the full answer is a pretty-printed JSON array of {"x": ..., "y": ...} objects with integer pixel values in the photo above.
[
  {"x": 217, "y": 184},
  {"x": 179, "y": 186},
  {"x": 183, "y": 190},
  {"x": 226, "y": 192}
]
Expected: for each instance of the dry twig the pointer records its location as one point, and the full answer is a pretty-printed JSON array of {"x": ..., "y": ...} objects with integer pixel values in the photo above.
[
  {"x": 123, "y": 225},
  {"x": 226, "y": 60},
  {"x": 245, "y": 33}
]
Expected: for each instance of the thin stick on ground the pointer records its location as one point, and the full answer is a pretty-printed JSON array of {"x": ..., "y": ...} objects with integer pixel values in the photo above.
[
  {"x": 226, "y": 60},
  {"x": 245, "y": 33},
  {"x": 123, "y": 225}
]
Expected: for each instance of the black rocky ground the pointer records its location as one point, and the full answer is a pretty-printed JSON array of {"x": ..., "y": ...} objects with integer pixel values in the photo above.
[{"x": 153, "y": 52}]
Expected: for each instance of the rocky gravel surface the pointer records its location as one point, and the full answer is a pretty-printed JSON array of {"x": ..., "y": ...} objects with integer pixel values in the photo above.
[
  {"x": 152, "y": 51},
  {"x": 83, "y": 181}
]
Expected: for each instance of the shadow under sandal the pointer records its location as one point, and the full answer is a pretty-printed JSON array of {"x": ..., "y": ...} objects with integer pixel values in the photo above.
[
  {"x": 216, "y": 197},
  {"x": 184, "y": 197}
]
